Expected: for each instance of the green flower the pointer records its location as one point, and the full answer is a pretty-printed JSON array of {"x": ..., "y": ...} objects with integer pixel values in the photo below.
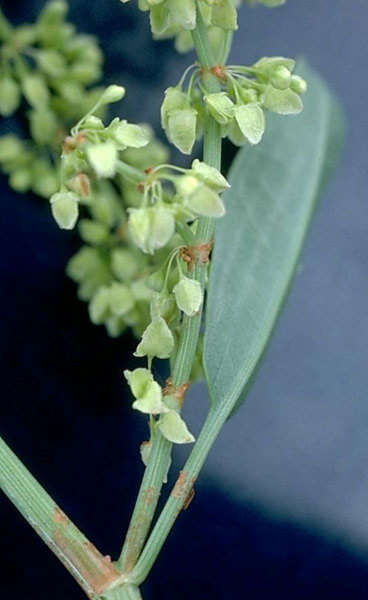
[
  {"x": 174, "y": 429},
  {"x": 147, "y": 392},
  {"x": 157, "y": 340},
  {"x": 9, "y": 96},
  {"x": 188, "y": 295},
  {"x": 151, "y": 228},
  {"x": 64, "y": 208}
]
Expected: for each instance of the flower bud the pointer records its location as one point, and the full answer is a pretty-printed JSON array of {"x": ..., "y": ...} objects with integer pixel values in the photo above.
[
  {"x": 147, "y": 392},
  {"x": 113, "y": 93},
  {"x": 83, "y": 48},
  {"x": 151, "y": 228},
  {"x": 35, "y": 90},
  {"x": 92, "y": 232},
  {"x": 224, "y": 15},
  {"x": 53, "y": 13},
  {"x": 210, "y": 176},
  {"x": 174, "y": 429},
  {"x": 85, "y": 72},
  {"x": 93, "y": 122},
  {"x": 106, "y": 204},
  {"x": 140, "y": 290},
  {"x": 43, "y": 125},
  {"x": 281, "y": 78},
  {"x": 174, "y": 99},
  {"x": 156, "y": 280},
  {"x": 130, "y": 136},
  {"x": 121, "y": 299},
  {"x": 233, "y": 133},
  {"x": 100, "y": 276},
  {"x": 183, "y": 42},
  {"x": 11, "y": 148},
  {"x": 159, "y": 18},
  {"x": 64, "y": 208},
  {"x": 52, "y": 63},
  {"x": 21, "y": 180},
  {"x": 248, "y": 95},
  {"x": 157, "y": 340},
  {"x": 9, "y": 96},
  {"x": 267, "y": 65},
  {"x": 87, "y": 260},
  {"x": 282, "y": 102},
  {"x": 298, "y": 84},
  {"x": 124, "y": 264},
  {"x": 182, "y": 13},
  {"x": 199, "y": 197},
  {"x": 45, "y": 180},
  {"x": 251, "y": 121},
  {"x": 103, "y": 158},
  {"x": 220, "y": 107},
  {"x": 188, "y": 295},
  {"x": 115, "y": 326},
  {"x": 25, "y": 35},
  {"x": 163, "y": 305},
  {"x": 205, "y": 202},
  {"x": 99, "y": 307},
  {"x": 181, "y": 129}
]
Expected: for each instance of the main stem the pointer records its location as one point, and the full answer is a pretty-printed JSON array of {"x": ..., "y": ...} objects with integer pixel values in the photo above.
[{"x": 161, "y": 449}]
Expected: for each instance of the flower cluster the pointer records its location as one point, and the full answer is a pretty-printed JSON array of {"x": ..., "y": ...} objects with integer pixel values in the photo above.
[
  {"x": 247, "y": 92},
  {"x": 169, "y": 17},
  {"x": 177, "y": 18},
  {"x": 138, "y": 214},
  {"x": 46, "y": 67}
]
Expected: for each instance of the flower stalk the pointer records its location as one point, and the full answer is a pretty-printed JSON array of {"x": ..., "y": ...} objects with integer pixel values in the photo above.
[{"x": 155, "y": 471}]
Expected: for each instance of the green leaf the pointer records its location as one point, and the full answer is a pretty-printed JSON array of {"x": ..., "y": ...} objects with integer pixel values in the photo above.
[{"x": 274, "y": 189}]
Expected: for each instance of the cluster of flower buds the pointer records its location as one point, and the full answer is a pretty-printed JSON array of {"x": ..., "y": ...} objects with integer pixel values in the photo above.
[
  {"x": 92, "y": 151},
  {"x": 149, "y": 399},
  {"x": 239, "y": 107},
  {"x": 177, "y": 18},
  {"x": 46, "y": 68},
  {"x": 170, "y": 17},
  {"x": 131, "y": 234},
  {"x": 137, "y": 217}
]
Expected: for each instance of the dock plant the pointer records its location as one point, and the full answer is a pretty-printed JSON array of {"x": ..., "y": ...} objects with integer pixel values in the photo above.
[{"x": 197, "y": 264}]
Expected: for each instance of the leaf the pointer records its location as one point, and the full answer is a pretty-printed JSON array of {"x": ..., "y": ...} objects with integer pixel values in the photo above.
[{"x": 257, "y": 244}]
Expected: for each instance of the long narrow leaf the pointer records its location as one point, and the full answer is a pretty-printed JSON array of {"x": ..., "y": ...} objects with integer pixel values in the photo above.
[{"x": 274, "y": 190}]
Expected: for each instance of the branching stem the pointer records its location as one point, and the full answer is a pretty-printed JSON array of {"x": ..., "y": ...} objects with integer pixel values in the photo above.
[{"x": 161, "y": 451}]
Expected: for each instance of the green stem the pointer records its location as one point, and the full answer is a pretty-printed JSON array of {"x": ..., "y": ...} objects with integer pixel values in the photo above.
[
  {"x": 131, "y": 592},
  {"x": 89, "y": 568},
  {"x": 125, "y": 592},
  {"x": 161, "y": 450},
  {"x": 146, "y": 503},
  {"x": 131, "y": 173},
  {"x": 179, "y": 494}
]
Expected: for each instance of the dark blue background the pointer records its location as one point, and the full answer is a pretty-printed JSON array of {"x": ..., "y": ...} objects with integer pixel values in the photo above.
[{"x": 281, "y": 508}]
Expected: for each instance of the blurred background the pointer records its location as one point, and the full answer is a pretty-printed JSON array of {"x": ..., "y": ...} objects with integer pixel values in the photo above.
[{"x": 282, "y": 505}]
